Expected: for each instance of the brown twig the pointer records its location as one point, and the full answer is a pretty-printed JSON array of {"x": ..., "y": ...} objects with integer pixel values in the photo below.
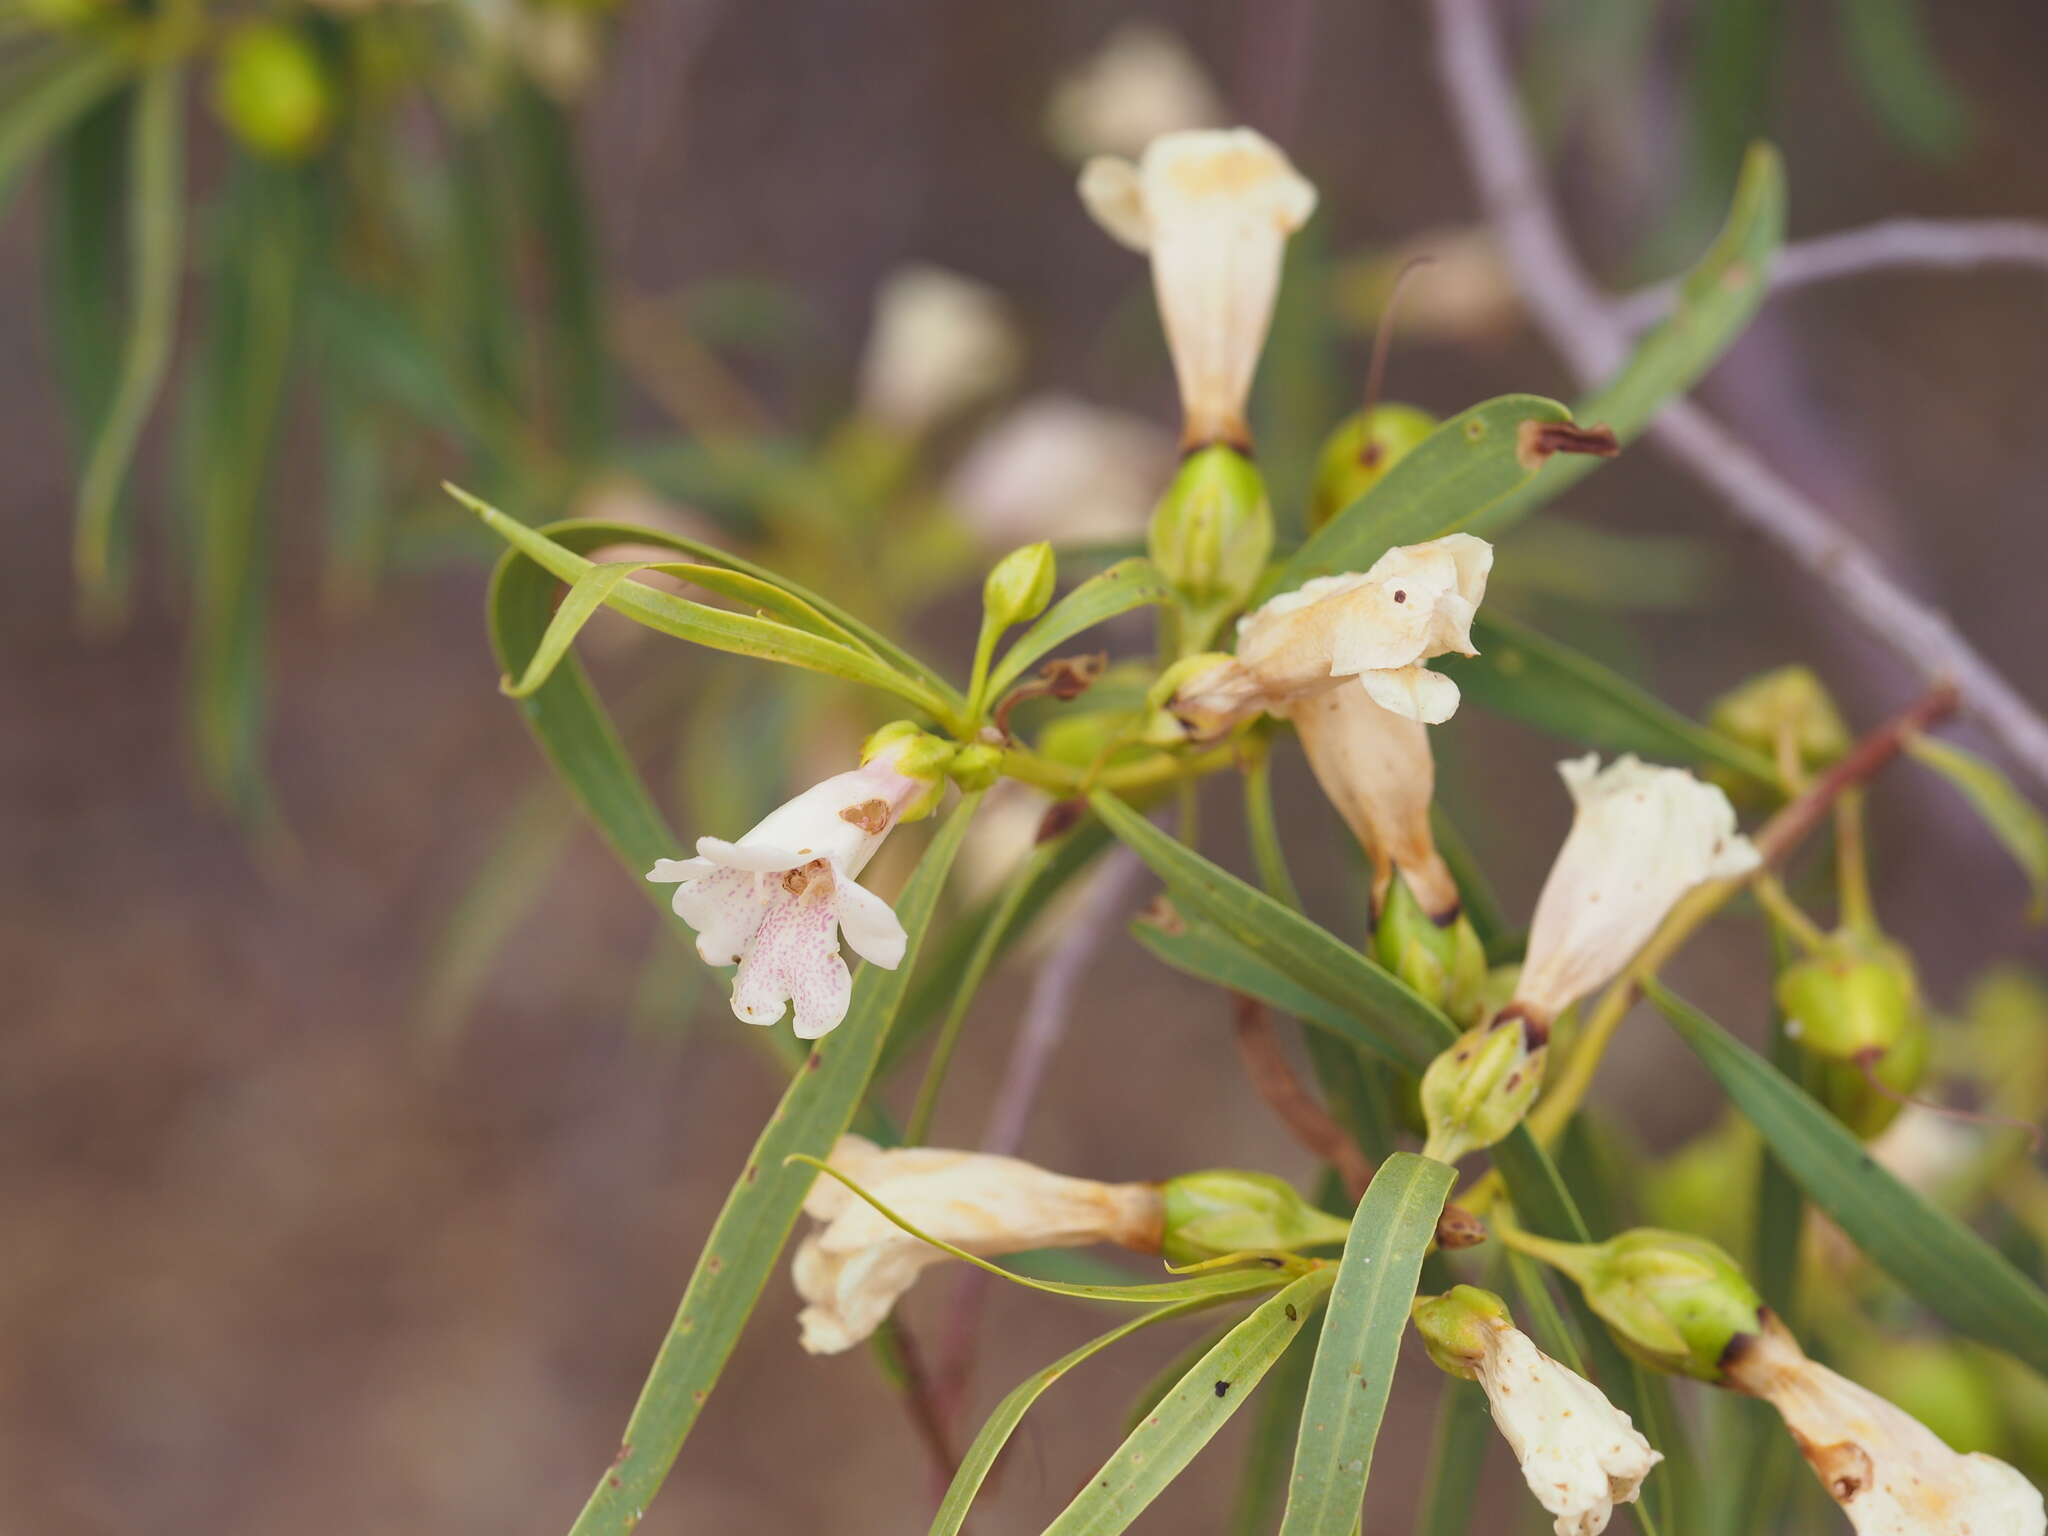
[
  {"x": 1274, "y": 1079},
  {"x": 1786, "y": 830},
  {"x": 1579, "y": 322}
]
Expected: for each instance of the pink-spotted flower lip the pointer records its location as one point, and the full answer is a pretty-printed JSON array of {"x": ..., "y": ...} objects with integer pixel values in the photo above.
[{"x": 776, "y": 902}]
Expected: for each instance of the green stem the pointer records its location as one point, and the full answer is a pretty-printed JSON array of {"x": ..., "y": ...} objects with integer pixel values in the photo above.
[
  {"x": 1786, "y": 913},
  {"x": 1852, "y": 865},
  {"x": 1572, "y": 1258},
  {"x": 977, "y": 682}
]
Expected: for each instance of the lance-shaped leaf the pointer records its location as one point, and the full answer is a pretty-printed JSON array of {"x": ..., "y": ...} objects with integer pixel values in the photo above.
[
  {"x": 1126, "y": 585},
  {"x": 751, "y": 1229},
  {"x": 1534, "y": 679},
  {"x": 2010, "y": 816},
  {"x": 1354, "y": 1371},
  {"x": 1445, "y": 483},
  {"x": 1956, "y": 1274},
  {"x": 1715, "y": 301},
  {"x": 1155, "y": 1453},
  {"x": 1405, "y": 1027}
]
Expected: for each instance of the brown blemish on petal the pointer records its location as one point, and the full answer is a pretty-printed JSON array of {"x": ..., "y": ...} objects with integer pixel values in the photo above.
[
  {"x": 1536, "y": 441},
  {"x": 1843, "y": 1468},
  {"x": 871, "y": 816}
]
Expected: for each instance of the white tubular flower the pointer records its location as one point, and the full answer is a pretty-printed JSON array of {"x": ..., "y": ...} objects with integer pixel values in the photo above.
[
  {"x": 1214, "y": 209},
  {"x": 1377, "y": 770},
  {"x": 775, "y": 902},
  {"x": 1579, "y": 1453},
  {"x": 1891, "y": 1474},
  {"x": 1379, "y": 626},
  {"x": 1061, "y": 469},
  {"x": 854, "y": 1265},
  {"x": 939, "y": 343},
  {"x": 1642, "y": 836},
  {"x": 1143, "y": 82}
]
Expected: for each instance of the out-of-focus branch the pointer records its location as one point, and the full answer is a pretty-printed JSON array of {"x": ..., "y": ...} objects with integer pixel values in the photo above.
[
  {"x": 1581, "y": 325},
  {"x": 1948, "y": 245},
  {"x": 1273, "y": 1077}
]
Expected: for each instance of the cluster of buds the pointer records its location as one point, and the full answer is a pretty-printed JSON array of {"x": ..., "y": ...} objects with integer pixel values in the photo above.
[
  {"x": 851, "y": 1269},
  {"x": 1642, "y": 837},
  {"x": 776, "y": 902},
  {"x": 1579, "y": 1454},
  {"x": 1680, "y": 1304}
]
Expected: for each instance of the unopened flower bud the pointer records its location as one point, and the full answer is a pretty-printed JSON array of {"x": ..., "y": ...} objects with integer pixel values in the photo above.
[
  {"x": 1857, "y": 1008},
  {"x": 1212, "y": 533},
  {"x": 1020, "y": 586},
  {"x": 1358, "y": 454},
  {"x": 1480, "y": 1088},
  {"x": 1440, "y": 960},
  {"x": 1676, "y": 1302},
  {"x": 1786, "y": 709},
  {"x": 1227, "y": 1210},
  {"x": 271, "y": 91}
]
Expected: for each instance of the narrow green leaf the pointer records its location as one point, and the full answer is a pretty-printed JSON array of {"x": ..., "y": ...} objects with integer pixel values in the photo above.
[
  {"x": 1457, "y": 1457},
  {"x": 1354, "y": 1370},
  {"x": 1891, "y": 47},
  {"x": 1208, "y": 954},
  {"x": 83, "y": 266},
  {"x": 1269, "y": 1448},
  {"x": 1447, "y": 482},
  {"x": 1009, "y": 1413},
  {"x": 1155, "y": 1453},
  {"x": 36, "y": 113},
  {"x": 1534, "y": 679},
  {"x": 1405, "y": 1027},
  {"x": 100, "y": 549},
  {"x": 1715, "y": 301},
  {"x": 2010, "y": 816},
  {"x": 749, "y": 1234},
  {"x": 716, "y": 628},
  {"x": 1954, "y": 1272},
  {"x": 1128, "y": 584},
  {"x": 1780, "y": 1217}
]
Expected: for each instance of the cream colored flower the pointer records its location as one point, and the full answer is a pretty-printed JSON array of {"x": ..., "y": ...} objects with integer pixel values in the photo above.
[
  {"x": 939, "y": 343},
  {"x": 1143, "y": 82},
  {"x": 1379, "y": 626},
  {"x": 1891, "y": 1474},
  {"x": 1579, "y": 1453},
  {"x": 1214, "y": 209},
  {"x": 854, "y": 1265},
  {"x": 1377, "y": 770},
  {"x": 1061, "y": 469},
  {"x": 775, "y": 902},
  {"x": 1642, "y": 836}
]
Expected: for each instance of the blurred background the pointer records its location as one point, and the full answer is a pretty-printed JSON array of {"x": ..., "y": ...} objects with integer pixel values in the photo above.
[{"x": 359, "y": 1121}]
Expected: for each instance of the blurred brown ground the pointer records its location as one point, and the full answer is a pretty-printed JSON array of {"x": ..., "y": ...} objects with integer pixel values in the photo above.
[{"x": 268, "y": 1265}]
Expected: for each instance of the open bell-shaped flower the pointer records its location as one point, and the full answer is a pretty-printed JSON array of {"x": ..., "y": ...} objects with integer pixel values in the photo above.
[
  {"x": 1378, "y": 626},
  {"x": 1891, "y": 1474},
  {"x": 1213, "y": 208},
  {"x": 1579, "y": 1454},
  {"x": 775, "y": 902},
  {"x": 1642, "y": 837},
  {"x": 853, "y": 1266}
]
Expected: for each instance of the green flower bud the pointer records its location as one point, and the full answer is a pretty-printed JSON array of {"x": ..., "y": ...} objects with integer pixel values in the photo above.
[
  {"x": 976, "y": 766},
  {"x": 1455, "y": 1326},
  {"x": 1866, "y": 1108},
  {"x": 1364, "y": 447},
  {"x": 1211, "y": 534},
  {"x": 1227, "y": 1210},
  {"x": 1480, "y": 1088},
  {"x": 1444, "y": 963},
  {"x": 916, "y": 754},
  {"x": 1676, "y": 1302},
  {"x": 270, "y": 90},
  {"x": 1857, "y": 1007},
  {"x": 1020, "y": 586},
  {"x": 1789, "y": 705}
]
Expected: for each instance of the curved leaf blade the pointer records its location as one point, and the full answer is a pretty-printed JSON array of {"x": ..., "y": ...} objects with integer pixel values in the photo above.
[
  {"x": 1538, "y": 681},
  {"x": 2019, "y": 828},
  {"x": 1134, "y": 583},
  {"x": 1155, "y": 1453},
  {"x": 749, "y": 1234},
  {"x": 1954, "y": 1272},
  {"x": 1408, "y": 1029}
]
